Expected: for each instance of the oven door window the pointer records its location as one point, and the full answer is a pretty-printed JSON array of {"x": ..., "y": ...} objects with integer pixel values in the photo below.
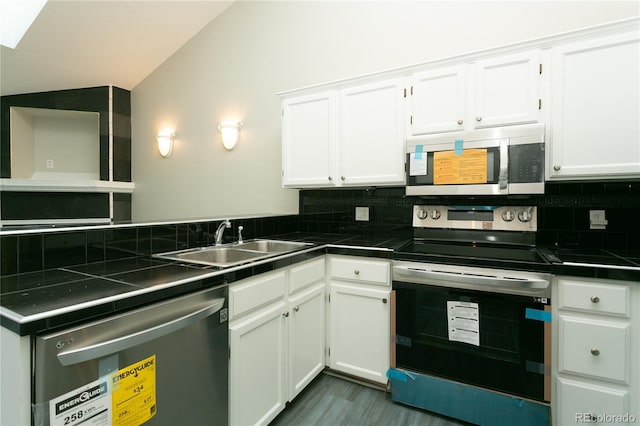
[{"x": 509, "y": 356}]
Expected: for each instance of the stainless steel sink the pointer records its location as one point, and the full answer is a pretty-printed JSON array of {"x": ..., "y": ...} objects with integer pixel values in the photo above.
[{"x": 233, "y": 254}]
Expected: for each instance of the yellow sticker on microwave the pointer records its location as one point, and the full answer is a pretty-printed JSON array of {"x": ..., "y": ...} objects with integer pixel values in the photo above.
[
  {"x": 451, "y": 168},
  {"x": 133, "y": 397}
]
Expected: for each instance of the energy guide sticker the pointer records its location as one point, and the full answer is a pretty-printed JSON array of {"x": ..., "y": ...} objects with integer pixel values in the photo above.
[
  {"x": 89, "y": 405},
  {"x": 134, "y": 393},
  {"x": 124, "y": 398},
  {"x": 464, "y": 322}
]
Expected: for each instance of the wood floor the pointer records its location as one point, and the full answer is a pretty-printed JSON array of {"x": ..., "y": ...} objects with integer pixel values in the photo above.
[{"x": 334, "y": 401}]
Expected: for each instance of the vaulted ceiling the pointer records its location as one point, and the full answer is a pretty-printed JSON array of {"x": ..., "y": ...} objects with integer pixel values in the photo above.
[{"x": 89, "y": 43}]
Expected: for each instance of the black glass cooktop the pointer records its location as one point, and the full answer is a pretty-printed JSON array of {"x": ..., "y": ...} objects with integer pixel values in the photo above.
[{"x": 499, "y": 252}]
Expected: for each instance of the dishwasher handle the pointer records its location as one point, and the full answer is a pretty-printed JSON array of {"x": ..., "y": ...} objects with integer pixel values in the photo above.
[{"x": 98, "y": 350}]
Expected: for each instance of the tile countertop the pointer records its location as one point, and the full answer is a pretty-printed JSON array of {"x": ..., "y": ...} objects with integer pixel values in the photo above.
[{"x": 39, "y": 301}]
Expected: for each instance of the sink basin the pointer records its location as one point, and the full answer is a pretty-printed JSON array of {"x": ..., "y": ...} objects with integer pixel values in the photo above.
[
  {"x": 271, "y": 246},
  {"x": 233, "y": 254}
]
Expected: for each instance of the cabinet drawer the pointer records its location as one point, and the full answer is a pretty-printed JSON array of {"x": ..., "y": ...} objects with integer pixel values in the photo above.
[
  {"x": 256, "y": 292},
  {"x": 578, "y": 401},
  {"x": 354, "y": 269},
  {"x": 594, "y": 297},
  {"x": 594, "y": 348},
  {"x": 302, "y": 276}
]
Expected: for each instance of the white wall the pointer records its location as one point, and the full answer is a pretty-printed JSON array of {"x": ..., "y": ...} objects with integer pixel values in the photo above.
[{"x": 237, "y": 64}]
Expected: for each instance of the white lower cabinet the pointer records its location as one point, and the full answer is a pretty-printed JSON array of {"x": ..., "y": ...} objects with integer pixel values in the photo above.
[
  {"x": 276, "y": 339},
  {"x": 595, "y": 369},
  {"x": 359, "y": 317}
]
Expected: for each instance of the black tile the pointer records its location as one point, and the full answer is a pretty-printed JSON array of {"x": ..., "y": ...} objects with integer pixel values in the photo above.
[
  {"x": 30, "y": 253},
  {"x": 95, "y": 98},
  {"x": 144, "y": 240},
  {"x": 121, "y": 101},
  {"x": 163, "y": 238},
  {"x": 96, "y": 251},
  {"x": 64, "y": 249},
  {"x": 120, "y": 243},
  {"x": 9, "y": 258}
]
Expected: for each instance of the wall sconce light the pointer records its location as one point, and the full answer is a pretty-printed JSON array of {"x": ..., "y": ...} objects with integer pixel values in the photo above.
[
  {"x": 165, "y": 142},
  {"x": 230, "y": 131}
]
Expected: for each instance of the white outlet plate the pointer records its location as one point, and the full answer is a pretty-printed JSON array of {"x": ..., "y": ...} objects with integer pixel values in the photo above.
[
  {"x": 362, "y": 213},
  {"x": 49, "y": 164}
]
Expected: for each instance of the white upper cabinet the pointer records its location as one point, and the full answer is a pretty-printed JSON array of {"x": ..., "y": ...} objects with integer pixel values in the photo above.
[
  {"x": 595, "y": 130},
  {"x": 438, "y": 101},
  {"x": 372, "y": 134},
  {"x": 507, "y": 89},
  {"x": 354, "y": 136},
  {"x": 497, "y": 91},
  {"x": 308, "y": 139}
]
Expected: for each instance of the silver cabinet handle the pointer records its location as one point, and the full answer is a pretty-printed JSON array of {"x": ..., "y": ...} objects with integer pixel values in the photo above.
[
  {"x": 557, "y": 167},
  {"x": 285, "y": 314},
  {"x": 595, "y": 299},
  {"x": 595, "y": 352},
  {"x": 98, "y": 350},
  {"x": 460, "y": 121},
  {"x": 342, "y": 177},
  {"x": 356, "y": 272},
  {"x": 296, "y": 309},
  {"x": 330, "y": 178},
  {"x": 478, "y": 118}
]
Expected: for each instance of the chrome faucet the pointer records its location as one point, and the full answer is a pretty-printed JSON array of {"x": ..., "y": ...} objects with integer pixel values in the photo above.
[
  {"x": 240, "y": 228},
  {"x": 220, "y": 231}
]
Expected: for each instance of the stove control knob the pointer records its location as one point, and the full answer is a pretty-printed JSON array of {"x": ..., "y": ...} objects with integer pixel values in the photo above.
[
  {"x": 435, "y": 214},
  {"x": 508, "y": 215},
  {"x": 524, "y": 216},
  {"x": 422, "y": 214}
]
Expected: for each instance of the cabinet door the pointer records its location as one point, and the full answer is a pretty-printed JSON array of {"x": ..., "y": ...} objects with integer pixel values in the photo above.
[
  {"x": 582, "y": 402},
  {"x": 595, "y": 131},
  {"x": 507, "y": 89},
  {"x": 372, "y": 134},
  {"x": 257, "y": 373},
  {"x": 359, "y": 336},
  {"x": 308, "y": 138},
  {"x": 438, "y": 101},
  {"x": 306, "y": 338}
]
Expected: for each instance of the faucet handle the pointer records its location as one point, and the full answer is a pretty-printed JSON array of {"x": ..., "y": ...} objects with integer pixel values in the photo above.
[{"x": 240, "y": 228}]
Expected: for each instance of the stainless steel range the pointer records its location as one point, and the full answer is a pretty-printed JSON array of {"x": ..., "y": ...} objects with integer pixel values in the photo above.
[{"x": 472, "y": 325}]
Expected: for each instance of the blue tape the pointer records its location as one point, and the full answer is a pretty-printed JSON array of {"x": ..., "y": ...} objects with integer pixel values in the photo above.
[
  {"x": 392, "y": 373},
  {"x": 418, "y": 154},
  {"x": 458, "y": 146},
  {"x": 537, "y": 314}
]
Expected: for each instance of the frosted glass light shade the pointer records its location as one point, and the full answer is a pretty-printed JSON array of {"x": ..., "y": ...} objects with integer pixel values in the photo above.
[
  {"x": 165, "y": 143},
  {"x": 230, "y": 132}
]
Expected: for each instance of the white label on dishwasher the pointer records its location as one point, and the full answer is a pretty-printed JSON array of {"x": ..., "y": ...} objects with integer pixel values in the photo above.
[
  {"x": 464, "y": 322},
  {"x": 89, "y": 405}
]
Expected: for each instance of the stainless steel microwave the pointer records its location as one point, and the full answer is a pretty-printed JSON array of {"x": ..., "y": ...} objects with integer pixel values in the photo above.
[{"x": 494, "y": 161}]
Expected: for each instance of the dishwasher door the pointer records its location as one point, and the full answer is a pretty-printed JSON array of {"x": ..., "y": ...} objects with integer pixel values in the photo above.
[{"x": 165, "y": 364}]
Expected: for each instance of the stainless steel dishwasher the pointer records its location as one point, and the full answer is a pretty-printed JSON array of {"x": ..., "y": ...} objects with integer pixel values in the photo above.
[{"x": 165, "y": 364}]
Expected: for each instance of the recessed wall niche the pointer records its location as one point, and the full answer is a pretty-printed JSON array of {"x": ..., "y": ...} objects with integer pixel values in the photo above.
[
  {"x": 54, "y": 144},
  {"x": 62, "y": 150}
]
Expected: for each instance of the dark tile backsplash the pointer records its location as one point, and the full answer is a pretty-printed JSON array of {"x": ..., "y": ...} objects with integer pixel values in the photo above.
[
  {"x": 563, "y": 213},
  {"x": 33, "y": 252}
]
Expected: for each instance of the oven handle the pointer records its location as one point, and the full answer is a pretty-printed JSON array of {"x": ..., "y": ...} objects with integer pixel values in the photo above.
[{"x": 471, "y": 280}]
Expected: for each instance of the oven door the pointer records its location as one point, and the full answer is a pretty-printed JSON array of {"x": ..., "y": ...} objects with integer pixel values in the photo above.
[
  {"x": 491, "y": 340},
  {"x": 457, "y": 167}
]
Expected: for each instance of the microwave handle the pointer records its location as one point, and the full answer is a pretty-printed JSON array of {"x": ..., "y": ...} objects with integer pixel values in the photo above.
[{"x": 503, "y": 178}]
